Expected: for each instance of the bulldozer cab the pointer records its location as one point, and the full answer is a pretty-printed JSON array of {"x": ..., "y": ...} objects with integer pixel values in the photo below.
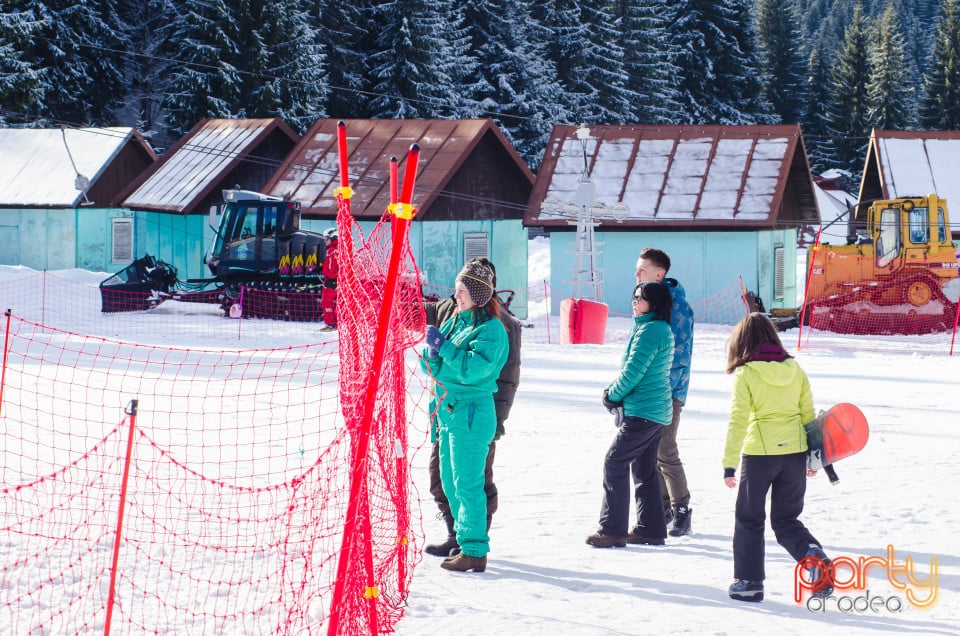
[
  {"x": 908, "y": 230},
  {"x": 250, "y": 224}
]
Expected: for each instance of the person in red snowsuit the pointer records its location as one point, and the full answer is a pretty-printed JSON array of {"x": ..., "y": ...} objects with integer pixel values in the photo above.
[{"x": 328, "y": 298}]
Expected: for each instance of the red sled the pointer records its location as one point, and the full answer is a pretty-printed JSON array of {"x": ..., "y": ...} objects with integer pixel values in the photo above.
[{"x": 836, "y": 434}]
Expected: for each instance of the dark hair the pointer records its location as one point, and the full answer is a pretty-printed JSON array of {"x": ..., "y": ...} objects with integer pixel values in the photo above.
[
  {"x": 748, "y": 335},
  {"x": 657, "y": 257},
  {"x": 658, "y": 295}
]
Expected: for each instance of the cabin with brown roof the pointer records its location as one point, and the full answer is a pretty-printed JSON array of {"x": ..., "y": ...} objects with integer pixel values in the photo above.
[
  {"x": 56, "y": 191},
  {"x": 725, "y": 202},
  {"x": 171, "y": 200},
  {"x": 914, "y": 163},
  {"x": 470, "y": 192}
]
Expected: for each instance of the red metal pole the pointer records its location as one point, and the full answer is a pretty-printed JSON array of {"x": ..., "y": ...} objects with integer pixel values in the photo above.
[
  {"x": 806, "y": 287},
  {"x": 358, "y": 481},
  {"x": 394, "y": 181},
  {"x": 132, "y": 413},
  {"x": 344, "y": 190},
  {"x": 546, "y": 299},
  {"x": 6, "y": 346},
  {"x": 956, "y": 319}
]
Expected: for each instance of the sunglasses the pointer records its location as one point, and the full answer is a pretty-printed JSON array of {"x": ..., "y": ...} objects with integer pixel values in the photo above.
[{"x": 638, "y": 297}]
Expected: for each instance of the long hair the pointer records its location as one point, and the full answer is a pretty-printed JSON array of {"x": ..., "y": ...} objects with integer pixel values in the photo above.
[
  {"x": 658, "y": 295},
  {"x": 490, "y": 310},
  {"x": 748, "y": 335}
]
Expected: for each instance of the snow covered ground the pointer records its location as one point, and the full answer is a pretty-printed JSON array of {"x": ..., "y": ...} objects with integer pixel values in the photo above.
[{"x": 542, "y": 579}]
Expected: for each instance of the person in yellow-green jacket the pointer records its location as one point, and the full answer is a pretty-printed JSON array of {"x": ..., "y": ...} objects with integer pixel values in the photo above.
[
  {"x": 465, "y": 356},
  {"x": 771, "y": 403}
]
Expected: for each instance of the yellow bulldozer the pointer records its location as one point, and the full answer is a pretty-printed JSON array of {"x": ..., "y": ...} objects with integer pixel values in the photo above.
[{"x": 897, "y": 273}]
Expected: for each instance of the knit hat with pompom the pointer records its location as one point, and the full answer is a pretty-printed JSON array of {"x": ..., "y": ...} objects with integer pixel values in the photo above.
[{"x": 478, "y": 279}]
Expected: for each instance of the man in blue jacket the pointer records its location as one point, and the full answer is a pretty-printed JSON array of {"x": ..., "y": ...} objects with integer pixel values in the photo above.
[{"x": 653, "y": 265}]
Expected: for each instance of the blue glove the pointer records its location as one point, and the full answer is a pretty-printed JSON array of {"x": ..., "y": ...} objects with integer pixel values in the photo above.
[{"x": 433, "y": 340}]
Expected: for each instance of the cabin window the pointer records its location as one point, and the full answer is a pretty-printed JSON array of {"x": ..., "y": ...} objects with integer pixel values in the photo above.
[
  {"x": 121, "y": 240},
  {"x": 888, "y": 238},
  {"x": 476, "y": 245},
  {"x": 941, "y": 226},
  {"x": 919, "y": 226}
]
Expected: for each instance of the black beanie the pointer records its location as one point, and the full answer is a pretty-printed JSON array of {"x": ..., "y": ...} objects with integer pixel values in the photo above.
[{"x": 478, "y": 279}]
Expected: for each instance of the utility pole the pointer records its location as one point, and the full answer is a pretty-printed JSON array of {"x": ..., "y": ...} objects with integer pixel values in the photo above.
[{"x": 582, "y": 212}]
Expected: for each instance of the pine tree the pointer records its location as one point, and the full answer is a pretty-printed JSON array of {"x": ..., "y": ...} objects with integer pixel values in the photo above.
[
  {"x": 781, "y": 58},
  {"x": 80, "y": 47},
  {"x": 816, "y": 128},
  {"x": 286, "y": 78},
  {"x": 343, "y": 37},
  {"x": 416, "y": 68},
  {"x": 19, "y": 82},
  {"x": 847, "y": 111},
  {"x": 584, "y": 46},
  {"x": 940, "y": 102},
  {"x": 649, "y": 61},
  {"x": 719, "y": 75},
  {"x": 146, "y": 70},
  {"x": 890, "y": 91},
  {"x": 514, "y": 81},
  {"x": 206, "y": 80}
]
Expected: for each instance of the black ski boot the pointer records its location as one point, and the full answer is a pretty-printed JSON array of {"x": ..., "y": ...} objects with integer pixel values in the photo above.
[
  {"x": 443, "y": 549},
  {"x": 682, "y": 519}
]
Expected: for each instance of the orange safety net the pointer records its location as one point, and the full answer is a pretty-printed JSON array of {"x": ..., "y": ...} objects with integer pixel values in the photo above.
[
  {"x": 853, "y": 295},
  {"x": 238, "y": 463}
]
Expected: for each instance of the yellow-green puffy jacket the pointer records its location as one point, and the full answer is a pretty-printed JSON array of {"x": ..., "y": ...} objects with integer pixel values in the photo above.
[{"x": 771, "y": 403}]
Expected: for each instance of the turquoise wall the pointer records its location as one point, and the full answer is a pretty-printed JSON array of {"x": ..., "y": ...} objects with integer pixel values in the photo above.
[
  {"x": 704, "y": 263},
  {"x": 67, "y": 239},
  {"x": 437, "y": 247}
]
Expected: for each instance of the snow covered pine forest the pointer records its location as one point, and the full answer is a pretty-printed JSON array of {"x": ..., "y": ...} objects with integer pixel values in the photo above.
[{"x": 836, "y": 67}]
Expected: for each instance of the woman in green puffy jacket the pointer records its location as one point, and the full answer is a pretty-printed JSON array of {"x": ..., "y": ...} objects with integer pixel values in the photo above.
[
  {"x": 642, "y": 403},
  {"x": 465, "y": 356},
  {"x": 771, "y": 403}
]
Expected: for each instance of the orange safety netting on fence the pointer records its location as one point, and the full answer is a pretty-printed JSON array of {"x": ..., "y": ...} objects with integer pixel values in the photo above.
[
  {"x": 852, "y": 294},
  {"x": 220, "y": 503}
]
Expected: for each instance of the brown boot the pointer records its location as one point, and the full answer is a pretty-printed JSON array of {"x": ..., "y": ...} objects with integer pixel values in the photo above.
[
  {"x": 464, "y": 563},
  {"x": 600, "y": 540}
]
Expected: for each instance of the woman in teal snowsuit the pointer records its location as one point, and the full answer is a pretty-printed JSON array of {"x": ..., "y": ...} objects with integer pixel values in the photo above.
[{"x": 465, "y": 356}]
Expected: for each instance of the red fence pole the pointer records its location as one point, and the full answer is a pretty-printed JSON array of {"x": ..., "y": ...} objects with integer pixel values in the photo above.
[
  {"x": 403, "y": 213},
  {"x": 3, "y": 372},
  {"x": 546, "y": 299},
  {"x": 132, "y": 413},
  {"x": 806, "y": 288}
]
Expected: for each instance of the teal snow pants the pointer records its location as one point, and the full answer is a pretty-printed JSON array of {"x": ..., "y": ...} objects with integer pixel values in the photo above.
[{"x": 466, "y": 428}]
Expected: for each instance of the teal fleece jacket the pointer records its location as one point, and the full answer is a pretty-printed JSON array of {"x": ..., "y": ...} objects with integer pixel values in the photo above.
[
  {"x": 644, "y": 381},
  {"x": 471, "y": 357},
  {"x": 771, "y": 403}
]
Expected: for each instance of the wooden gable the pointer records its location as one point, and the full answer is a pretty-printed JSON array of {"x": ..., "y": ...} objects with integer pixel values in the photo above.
[
  {"x": 214, "y": 155},
  {"x": 467, "y": 169}
]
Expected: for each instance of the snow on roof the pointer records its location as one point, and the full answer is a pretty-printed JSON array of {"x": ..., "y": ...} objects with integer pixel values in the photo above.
[
  {"x": 39, "y": 167},
  {"x": 197, "y": 163},
  {"x": 917, "y": 163},
  {"x": 674, "y": 174},
  {"x": 833, "y": 210}
]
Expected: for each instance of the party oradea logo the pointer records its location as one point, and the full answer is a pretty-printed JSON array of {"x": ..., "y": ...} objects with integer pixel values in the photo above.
[{"x": 851, "y": 577}]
